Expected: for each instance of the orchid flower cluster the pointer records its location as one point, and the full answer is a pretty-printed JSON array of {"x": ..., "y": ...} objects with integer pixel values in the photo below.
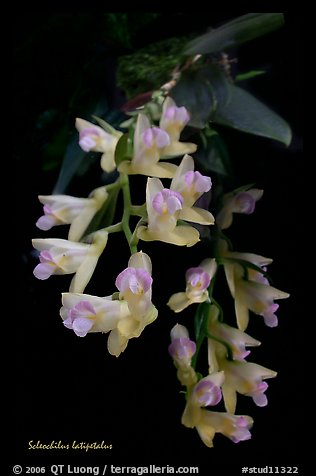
[{"x": 171, "y": 214}]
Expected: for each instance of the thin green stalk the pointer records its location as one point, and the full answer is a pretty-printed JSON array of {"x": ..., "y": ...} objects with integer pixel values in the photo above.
[
  {"x": 113, "y": 186},
  {"x": 202, "y": 327},
  {"x": 127, "y": 211},
  {"x": 110, "y": 229}
]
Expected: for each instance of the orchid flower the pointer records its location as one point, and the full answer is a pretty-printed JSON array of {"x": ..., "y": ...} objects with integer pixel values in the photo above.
[
  {"x": 94, "y": 138},
  {"x": 236, "y": 339},
  {"x": 205, "y": 393},
  {"x": 242, "y": 202},
  {"x": 64, "y": 209},
  {"x": 163, "y": 210},
  {"x": 84, "y": 313},
  {"x": 173, "y": 120},
  {"x": 245, "y": 378},
  {"x": 255, "y": 293},
  {"x": 129, "y": 327},
  {"x": 198, "y": 280},
  {"x": 134, "y": 284},
  {"x": 182, "y": 350},
  {"x": 234, "y": 427},
  {"x": 191, "y": 185},
  {"x": 148, "y": 143},
  {"x": 59, "y": 256}
]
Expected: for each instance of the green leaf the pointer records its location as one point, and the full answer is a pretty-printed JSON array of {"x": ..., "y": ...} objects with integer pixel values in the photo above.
[
  {"x": 123, "y": 149},
  {"x": 73, "y": 160},
  {"x": 104, "y": 217},
  {"x": 249, "y": 75},
  {"x": 198, "y": 323},
  {"x": 212, "y": 154},
  {"x": 194, "y": 92},
  {"x": 238, "y": 31},
  {"x": 246, "y": 113},
  {"x": 106, "y": 126},
  {"x": 217, "y": 80}
]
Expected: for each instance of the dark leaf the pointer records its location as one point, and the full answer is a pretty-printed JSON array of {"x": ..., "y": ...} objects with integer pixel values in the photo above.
[
  {"x": 73, "y": 160},
  {"x": 194, "y": 92},
  {"x": 104, "y": 217},
  {"x": 248, "y": 114},
  {"x": 238, "y": 31},
  {"x": 220, "y": 86},
  {"x": 123, "y": 149},
  {"x": 249, "y": 75},
  {"x": 212, "y": 154}
]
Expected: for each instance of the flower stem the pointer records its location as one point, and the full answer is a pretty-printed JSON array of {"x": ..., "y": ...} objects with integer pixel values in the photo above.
[{"x": 127, "y": 211}]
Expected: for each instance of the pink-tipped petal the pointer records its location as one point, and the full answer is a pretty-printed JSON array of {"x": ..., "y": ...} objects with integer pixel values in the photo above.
[
  {"x": 244, "y": 203},
  {"x": 46, "y": 222},
  {"x": 43, "y": 271},
  {"x": 81, "y": 326},
  {"x": 162, "y": 138}
]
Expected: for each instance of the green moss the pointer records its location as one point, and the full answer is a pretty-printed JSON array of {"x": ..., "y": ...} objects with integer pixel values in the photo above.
[{"x": 150, "y": 67}]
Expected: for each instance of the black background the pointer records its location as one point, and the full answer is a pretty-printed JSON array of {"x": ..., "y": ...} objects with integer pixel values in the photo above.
[{"x": 69, "y": 388}]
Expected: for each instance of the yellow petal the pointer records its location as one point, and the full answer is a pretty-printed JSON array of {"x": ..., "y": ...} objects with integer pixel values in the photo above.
[
  {"x": 140, "y": 260},
  {"x": 87, "y": 267},
  {"x": 162, "y": 170},
  {"x": 108, "y": 160},
  {"x": 212, "y": 359},
  {"x": 141, "y": 125},
  {"x": 242, "y": 313},
  {"x": 230, "y": 277},
  {"x": 206, "y": 431},
  {"x": 116, "y": 343},
  {"x": 178, "y": 148},
  {"x": 196, "y": 215},
  {"x": 230, "y": 398},
  {"x": 82, "y": 124},
  {"x": 81, "y": 222},
  {"x": 251, "y": 257},
  {"x": 209, "y": 265},
  {"x": 191, "y": 415},
  {"x": 178, "y": 302},
  {"x": 180, "y": 236},
  {"x": 186, "y": 165},
  {"x": 130, "y": 327},
  {"x": 217, "y": 378}
]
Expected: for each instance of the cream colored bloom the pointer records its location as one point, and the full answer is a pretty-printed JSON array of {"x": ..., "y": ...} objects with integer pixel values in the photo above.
[
  {"x": 207, "y": 392},
  {"x": 241, "y": 202},
  {"x": 59, "y": 256},
  {"x": 198, "y": 280},
  {"x": 173, "y": 120},
  {"x": 234, "y": 427},
  {"x": 245, "y": 378},
  {"x": 96, "y": 200},
  {"x": 236, "y": 339},
  {"x": 129, "y": 327},
  {"x": 252, "y": 292},
  {"x": 134, "y": 284},
  {"x": 64, "y": 209},
  {"x": 182, "y": 350},
  {"x": 163, "y": 210},
  {"x": 84, "y": 313},
  {"x": 94, "y": 138},
  {"x": 148, "y": 144},
  {"x": 191, "y": 185}
]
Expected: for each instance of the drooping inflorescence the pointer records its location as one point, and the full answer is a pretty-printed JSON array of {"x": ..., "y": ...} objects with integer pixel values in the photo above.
[{"x": 171, "y": 213}]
